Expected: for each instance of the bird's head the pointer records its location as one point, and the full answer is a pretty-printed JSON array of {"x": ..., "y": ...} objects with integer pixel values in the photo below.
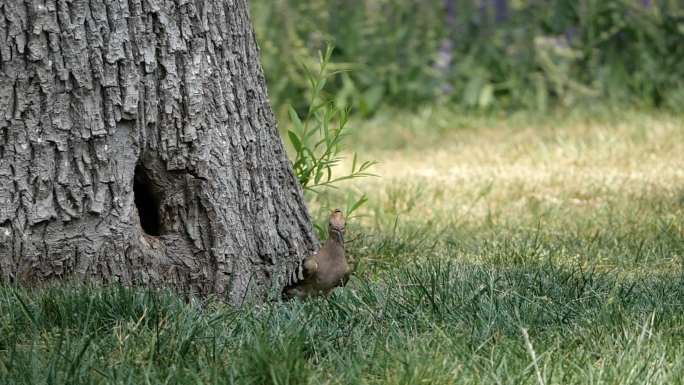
[{"x": 336, "y": 225}]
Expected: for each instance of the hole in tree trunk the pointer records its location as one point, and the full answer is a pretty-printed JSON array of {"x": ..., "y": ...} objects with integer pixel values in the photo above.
[{"x": 147, "y": 202}]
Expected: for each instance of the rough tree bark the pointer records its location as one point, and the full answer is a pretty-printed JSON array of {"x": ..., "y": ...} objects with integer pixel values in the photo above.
[{"x": 137, "y": 145}]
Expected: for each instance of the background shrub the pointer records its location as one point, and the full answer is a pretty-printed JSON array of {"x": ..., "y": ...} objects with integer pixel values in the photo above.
[{"x": 476, "y": 54}]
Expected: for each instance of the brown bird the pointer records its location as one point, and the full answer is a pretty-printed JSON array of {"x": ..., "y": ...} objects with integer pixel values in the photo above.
[{"x": 326, "y": 269}]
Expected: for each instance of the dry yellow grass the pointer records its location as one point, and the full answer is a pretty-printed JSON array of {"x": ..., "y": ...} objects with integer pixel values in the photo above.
[{"x": 520, "y": 168}]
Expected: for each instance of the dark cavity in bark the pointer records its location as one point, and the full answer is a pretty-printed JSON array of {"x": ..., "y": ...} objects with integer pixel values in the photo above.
[{"x": 147, "y": 199}]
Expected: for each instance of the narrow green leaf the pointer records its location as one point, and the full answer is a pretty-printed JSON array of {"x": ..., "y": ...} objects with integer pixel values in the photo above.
[
  {"x": 295, "y": 141},
  {"x": 294, "y": 119},
  {"x": 357, "y": 204}
]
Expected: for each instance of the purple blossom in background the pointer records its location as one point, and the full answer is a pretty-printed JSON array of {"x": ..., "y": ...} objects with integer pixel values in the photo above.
[
  {"x": 570, "y": 33},
  {"x": 483, "y": 11},
  {"x": 450, "y": 6},
  {"x": 500, "y": 11},
  {"x": 446, "y": 47},
  {"x": 646, "y": 3},
  {"x": 444, "y": 55}
]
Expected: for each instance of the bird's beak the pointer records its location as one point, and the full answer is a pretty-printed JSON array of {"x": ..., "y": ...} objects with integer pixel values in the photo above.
[{"x": 337, "y": 233}]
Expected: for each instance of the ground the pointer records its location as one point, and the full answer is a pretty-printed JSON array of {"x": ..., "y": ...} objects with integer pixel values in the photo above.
[{"x": 481, "y": 230}]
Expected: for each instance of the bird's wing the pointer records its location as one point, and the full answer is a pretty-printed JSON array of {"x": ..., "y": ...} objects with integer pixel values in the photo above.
[{"x": 310, "y": 266}]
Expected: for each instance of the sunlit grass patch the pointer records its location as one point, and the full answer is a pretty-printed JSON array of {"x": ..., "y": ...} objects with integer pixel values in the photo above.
[{"x": 607, "y": 191}]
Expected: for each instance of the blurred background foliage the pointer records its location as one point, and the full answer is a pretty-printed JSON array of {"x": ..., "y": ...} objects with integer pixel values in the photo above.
[{"x": 475, "y": 54}]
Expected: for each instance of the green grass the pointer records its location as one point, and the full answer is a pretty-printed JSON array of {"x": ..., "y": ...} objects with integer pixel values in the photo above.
[{"x": 481, "y": 228}]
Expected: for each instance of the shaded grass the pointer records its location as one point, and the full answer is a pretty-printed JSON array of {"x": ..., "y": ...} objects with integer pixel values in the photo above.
[
  {"x": 435, "y": 321},
  {"x": 573, "y": 234}
]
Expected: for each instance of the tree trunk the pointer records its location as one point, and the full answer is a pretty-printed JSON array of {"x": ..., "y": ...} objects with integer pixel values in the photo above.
[{"x": 137, "y": 145}]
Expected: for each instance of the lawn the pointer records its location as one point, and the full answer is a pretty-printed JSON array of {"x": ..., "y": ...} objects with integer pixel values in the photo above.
[{"x": 493, "y": 249}]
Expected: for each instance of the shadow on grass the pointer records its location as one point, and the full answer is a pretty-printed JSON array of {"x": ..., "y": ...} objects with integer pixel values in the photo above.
[{"x": 431, "y": 319}]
